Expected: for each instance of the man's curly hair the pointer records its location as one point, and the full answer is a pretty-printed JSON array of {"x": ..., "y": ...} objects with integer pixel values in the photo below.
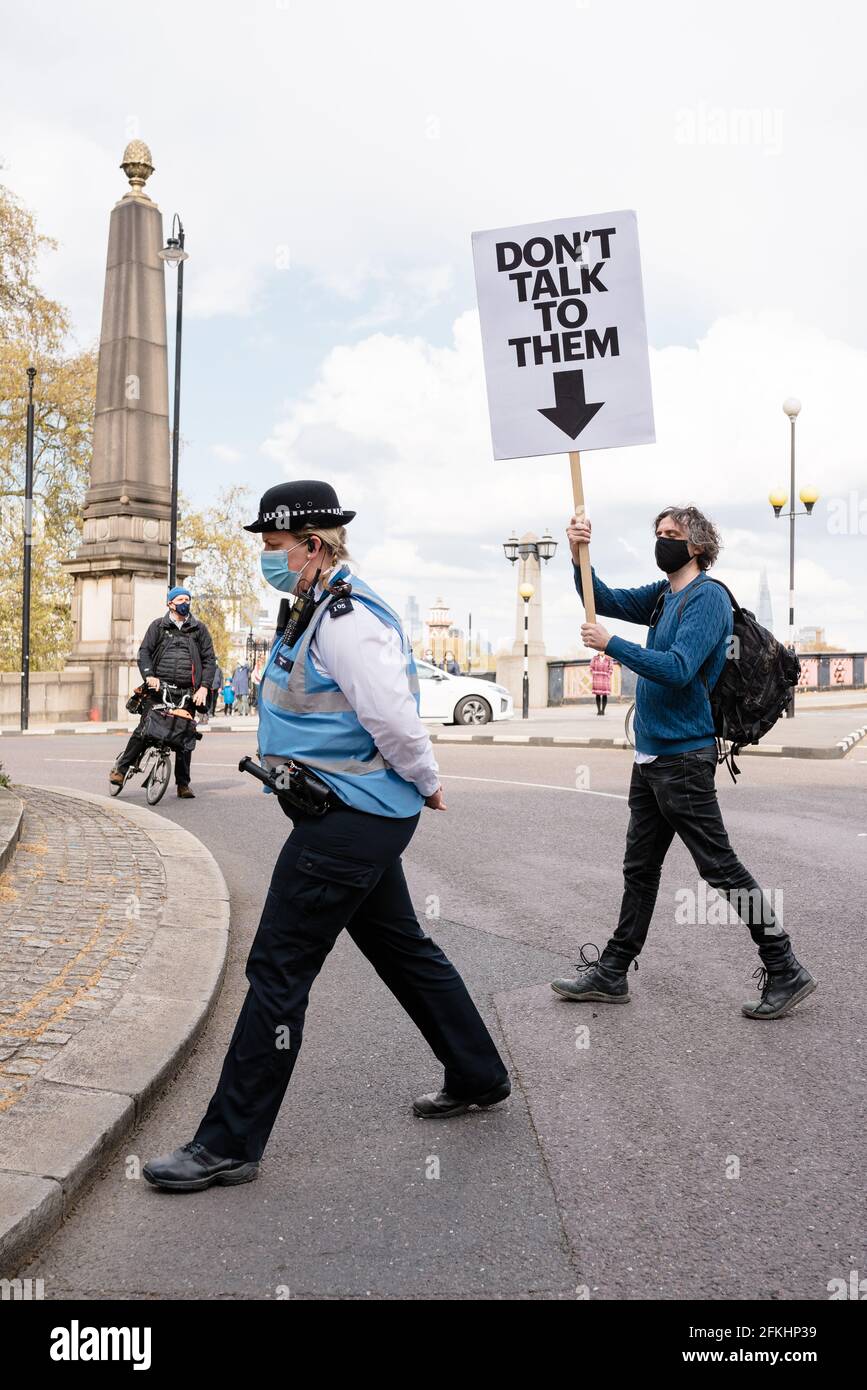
[{"x": 700, "y": 532}]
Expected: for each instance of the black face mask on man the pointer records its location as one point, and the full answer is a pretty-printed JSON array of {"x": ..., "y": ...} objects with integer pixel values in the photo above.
[{"x": 671, "y": 555}]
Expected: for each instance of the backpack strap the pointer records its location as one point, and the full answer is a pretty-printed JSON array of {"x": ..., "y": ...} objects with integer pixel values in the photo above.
[
  {"x": 723, "y": 754},
  {"x": 657, "y": 609}
]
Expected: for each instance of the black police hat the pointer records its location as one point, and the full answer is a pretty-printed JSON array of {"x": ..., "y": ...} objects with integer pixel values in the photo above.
[{"x": 291, "y": 505}]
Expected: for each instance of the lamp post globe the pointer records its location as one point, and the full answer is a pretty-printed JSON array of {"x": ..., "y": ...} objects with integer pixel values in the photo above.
[{"x": 778, "y": 499}]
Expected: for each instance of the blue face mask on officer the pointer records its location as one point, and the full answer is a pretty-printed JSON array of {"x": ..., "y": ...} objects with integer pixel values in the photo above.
[{"x": 275, "y": 568}]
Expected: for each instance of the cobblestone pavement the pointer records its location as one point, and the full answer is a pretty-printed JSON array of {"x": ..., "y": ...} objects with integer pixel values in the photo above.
[{"x": 79, "y": 904}]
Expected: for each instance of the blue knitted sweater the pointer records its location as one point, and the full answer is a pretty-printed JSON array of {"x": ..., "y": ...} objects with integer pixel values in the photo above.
[{"x": 672, "y": 709}]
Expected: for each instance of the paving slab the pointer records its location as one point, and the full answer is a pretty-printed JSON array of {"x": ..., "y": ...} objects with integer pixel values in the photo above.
[{"x": 105, "y": 985}]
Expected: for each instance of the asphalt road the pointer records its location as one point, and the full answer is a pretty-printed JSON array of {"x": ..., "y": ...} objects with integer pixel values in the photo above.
[{"x": 674, "y": 1150}]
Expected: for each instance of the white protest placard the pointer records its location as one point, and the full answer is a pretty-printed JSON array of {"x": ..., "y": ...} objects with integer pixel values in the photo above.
[{"x": 564, "y": 335}]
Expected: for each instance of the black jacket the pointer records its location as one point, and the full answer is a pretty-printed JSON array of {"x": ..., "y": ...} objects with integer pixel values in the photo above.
[{"x": 180, "y": 655}]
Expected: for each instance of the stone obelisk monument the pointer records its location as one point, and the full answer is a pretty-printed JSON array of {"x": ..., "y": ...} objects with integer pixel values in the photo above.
[{"x": 121, "y": 568}]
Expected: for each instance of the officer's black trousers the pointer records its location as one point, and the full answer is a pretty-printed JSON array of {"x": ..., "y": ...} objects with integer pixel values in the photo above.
[{"x": 339, "y": 870}]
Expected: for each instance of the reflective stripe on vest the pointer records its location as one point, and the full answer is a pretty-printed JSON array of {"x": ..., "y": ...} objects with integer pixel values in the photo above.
[
  {"x": 302, "y": 703},
  {"x": 351, "y": 765}
]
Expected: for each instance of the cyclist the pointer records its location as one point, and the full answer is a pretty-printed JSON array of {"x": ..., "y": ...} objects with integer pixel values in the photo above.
[{"x": 177, "y": 650}]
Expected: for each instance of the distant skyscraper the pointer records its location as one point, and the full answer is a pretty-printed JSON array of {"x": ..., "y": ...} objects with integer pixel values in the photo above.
[
  {"x": 765, "y": 612},
  {"x": 412, "y": 619}
]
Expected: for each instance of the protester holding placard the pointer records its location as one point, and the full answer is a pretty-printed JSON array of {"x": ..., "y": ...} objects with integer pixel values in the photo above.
[{"x": 672, "y": 790}]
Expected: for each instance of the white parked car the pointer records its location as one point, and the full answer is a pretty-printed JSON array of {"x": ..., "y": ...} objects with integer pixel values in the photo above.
[{"x": 460, "y": 699}]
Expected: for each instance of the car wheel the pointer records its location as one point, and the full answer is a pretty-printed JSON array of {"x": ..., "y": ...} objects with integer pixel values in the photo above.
[{"x": 472, "y": 709}]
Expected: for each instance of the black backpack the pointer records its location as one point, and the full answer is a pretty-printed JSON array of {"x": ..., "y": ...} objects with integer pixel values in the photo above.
[{"x": 754, "y": 686}]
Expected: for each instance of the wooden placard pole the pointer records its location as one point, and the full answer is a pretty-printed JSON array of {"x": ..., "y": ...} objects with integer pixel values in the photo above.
[{"x": 583, "y": 550}]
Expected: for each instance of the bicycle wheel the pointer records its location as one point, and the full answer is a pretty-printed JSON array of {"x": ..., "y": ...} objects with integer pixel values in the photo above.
[
  {"x": 158, "y": 777},
  {"x": 630, "y": 725}
]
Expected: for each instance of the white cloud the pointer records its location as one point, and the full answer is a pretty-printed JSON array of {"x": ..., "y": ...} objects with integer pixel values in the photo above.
[{"x": 367, "y": 144}]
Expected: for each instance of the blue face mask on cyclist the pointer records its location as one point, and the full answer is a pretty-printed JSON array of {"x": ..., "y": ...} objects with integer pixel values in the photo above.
[
  {"x": 275, "y": 568},
  {"x": 182, "y": 609}
]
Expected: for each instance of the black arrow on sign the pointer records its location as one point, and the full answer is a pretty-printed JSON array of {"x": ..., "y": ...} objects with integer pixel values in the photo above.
[{"x": 571, "y": 413}]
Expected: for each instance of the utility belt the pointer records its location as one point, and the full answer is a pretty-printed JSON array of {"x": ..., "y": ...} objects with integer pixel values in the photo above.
[{"x": 297, "y": 788}]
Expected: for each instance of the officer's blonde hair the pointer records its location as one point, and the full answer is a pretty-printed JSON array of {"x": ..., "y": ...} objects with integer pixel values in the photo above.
[{"x": 334, "y": 537}]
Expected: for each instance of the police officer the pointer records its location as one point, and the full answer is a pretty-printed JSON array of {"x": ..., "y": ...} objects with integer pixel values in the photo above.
[{"x": 339, "y": 696}]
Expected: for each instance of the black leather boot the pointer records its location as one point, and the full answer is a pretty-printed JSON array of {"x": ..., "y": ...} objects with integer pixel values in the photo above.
[
  {"x": 193, "y": 1168},
  {"x": 783, "y": 985},
  {"x": 441, "y": 1105},
  {"x": 598, "y": 981}
]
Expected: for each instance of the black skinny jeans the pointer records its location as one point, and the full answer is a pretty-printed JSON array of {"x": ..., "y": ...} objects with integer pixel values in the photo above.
[
  {"x": 675, "y": 795},
  {"x": 339, "y": 870}
]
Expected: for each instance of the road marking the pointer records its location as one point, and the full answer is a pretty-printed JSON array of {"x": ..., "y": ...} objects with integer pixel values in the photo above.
[
  {"x": 543, "y": 786},
  {"x": 100, "y": 762}
]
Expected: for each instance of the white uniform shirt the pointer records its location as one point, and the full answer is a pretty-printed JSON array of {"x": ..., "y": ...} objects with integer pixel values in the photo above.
[{"x": 364, "y": 656}]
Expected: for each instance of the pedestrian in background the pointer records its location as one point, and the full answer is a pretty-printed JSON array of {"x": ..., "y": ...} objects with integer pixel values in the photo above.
[
  {"x": 600, "y": 675},
  {"x": 451, "y": 664},
  {"x": 228, "y": 698},
  {"x": 213, "y": 693},
  {"x": 241, "y": 687}
]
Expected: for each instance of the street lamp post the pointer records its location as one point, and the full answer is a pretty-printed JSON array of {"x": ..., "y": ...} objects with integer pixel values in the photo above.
[
  {"x": 526, "y": 591},
  {"x": 809, "y": 496},
  {"x": 542, "y": 550},
  {"x": 173, "y": 253},
  {"x": 28, "y": 549}
]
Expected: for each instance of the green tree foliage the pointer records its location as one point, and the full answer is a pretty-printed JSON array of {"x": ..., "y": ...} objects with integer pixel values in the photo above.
[
  {"x": 35, "y": 331},
  {"x": 226, "y": 584}
]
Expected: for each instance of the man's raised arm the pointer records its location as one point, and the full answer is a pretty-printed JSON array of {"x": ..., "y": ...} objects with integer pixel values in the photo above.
[{"x": 632, "y": 605}]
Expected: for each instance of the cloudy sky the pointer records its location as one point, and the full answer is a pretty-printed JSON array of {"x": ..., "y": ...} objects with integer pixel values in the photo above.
[{"x": 330, "y": 162}]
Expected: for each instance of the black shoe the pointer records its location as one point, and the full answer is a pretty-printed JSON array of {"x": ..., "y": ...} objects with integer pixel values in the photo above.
[
  {"x": 593, "y": 982},
  {"x": 440, "y": 1105},
  {"x": 781, "y": 990},
  {"x": 193, "y": 1168}
]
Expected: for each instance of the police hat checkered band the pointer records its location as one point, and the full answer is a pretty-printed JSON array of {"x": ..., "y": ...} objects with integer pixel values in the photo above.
[{"x": 310, "y": 510}]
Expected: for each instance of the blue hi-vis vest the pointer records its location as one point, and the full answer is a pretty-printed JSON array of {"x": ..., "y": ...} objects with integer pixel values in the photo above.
[{"x": 305, "y": 715}]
